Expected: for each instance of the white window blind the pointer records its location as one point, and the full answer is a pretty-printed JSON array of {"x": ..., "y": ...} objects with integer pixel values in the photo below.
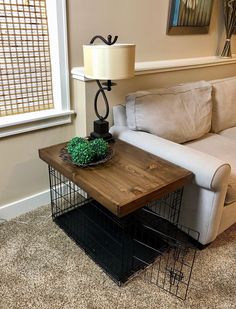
[{"x": 25, "y": 76}]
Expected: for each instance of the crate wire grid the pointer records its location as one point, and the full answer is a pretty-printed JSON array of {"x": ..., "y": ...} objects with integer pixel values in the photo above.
[
  {"x": 65, "y": 195},
  {"x": 168, "y": 207},
  {"x": 154, "y": 228},
  {"x": 172, "y": 269}
]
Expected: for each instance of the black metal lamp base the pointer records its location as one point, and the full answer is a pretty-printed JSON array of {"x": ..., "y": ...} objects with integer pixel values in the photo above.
[{"x": 101, "y": 130}]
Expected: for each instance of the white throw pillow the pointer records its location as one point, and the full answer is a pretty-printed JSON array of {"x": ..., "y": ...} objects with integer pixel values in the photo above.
[
  {"x": 180, "y": 113},
  {"x": 224, "y": 104}
]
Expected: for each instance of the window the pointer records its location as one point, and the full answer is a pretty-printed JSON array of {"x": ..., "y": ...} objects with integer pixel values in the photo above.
[{"x": 34, "y": 87}]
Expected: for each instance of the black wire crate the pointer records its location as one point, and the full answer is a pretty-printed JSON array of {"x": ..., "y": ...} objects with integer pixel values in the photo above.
[
  {"x": 172, "y": 269},
  {"x": 147, "y": 242},
  {"x": 168, "y": 207},
  {"x": 65, "y": 195}
]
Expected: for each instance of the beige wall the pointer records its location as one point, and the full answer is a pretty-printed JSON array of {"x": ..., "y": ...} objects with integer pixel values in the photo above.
[
  {"x": 143, "y": 23},
  {"x": 22, "y": 172},
  {"x": 140, "y": 22}
]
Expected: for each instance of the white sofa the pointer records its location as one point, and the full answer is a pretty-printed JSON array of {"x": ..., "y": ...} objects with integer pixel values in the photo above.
[{"x": 194, "y": 126}]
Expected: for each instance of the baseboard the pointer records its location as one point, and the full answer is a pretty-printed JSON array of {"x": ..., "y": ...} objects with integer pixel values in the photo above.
[{"x": 20, "y": 207}]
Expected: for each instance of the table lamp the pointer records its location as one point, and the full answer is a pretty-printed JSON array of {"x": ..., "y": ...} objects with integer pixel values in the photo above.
[{"x": 108, "y": 61}]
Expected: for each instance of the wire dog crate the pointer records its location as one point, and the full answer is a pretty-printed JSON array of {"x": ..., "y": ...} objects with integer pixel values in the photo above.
[{"x": 148, "y": 242}]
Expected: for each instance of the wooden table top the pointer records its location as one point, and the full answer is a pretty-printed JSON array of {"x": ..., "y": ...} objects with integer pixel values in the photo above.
[{"x": 132, "y": 178}]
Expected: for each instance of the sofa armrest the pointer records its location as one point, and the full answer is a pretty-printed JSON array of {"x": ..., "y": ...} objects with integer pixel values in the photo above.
[{"x": 209, "y": 172}]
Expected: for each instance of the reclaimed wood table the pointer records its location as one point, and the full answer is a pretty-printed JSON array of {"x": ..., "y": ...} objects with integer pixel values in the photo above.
[{"x": 132, "y": 178}]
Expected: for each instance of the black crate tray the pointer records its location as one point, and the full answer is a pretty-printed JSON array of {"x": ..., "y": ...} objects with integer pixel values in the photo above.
[{"x": 111, "y": 242}]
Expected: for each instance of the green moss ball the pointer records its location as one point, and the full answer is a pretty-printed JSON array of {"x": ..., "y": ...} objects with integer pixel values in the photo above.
[
  {"x": 74, "y": 142},
  {"x": 100, "y": 147},
  {"x": 82, "y": 154}
]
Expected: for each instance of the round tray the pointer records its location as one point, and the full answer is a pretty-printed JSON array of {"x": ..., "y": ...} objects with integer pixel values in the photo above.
[{"x": 65, "y": 156}]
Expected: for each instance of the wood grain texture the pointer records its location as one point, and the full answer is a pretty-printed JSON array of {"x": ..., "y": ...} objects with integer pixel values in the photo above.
[{"x": 132, "y": 178}]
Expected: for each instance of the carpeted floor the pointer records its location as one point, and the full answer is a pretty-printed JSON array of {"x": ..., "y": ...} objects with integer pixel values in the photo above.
[{"x": 40, "y": 267}]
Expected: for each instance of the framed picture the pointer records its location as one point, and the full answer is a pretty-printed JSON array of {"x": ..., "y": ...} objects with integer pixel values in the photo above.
[{"x": 189, "y": 16}]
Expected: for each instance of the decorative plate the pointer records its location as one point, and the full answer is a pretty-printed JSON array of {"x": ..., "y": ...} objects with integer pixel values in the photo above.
[{"x": 64, "y": 155}]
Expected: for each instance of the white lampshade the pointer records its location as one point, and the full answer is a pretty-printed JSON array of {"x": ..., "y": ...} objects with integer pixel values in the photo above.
[{"x": 109, "y": 62}]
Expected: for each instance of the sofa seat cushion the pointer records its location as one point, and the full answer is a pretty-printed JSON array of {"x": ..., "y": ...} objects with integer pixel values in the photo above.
[
  {"x": 180, "y": 113},
  {"x": 230, "y": 133},
  {"x": 224, "y": 149},
  {"x": 224, "y": 101}
]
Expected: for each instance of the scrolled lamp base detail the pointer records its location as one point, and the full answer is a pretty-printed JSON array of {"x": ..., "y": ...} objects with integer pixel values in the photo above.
[{"x": 101, "y": 126}]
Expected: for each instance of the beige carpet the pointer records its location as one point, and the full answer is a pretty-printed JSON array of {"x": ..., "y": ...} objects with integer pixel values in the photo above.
[{"x": 40, "y": 267}]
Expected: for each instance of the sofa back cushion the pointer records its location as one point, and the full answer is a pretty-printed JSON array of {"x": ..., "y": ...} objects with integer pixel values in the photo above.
[
  {"x": 180, "y": 113},
  {"x": 224, "y": 104}
]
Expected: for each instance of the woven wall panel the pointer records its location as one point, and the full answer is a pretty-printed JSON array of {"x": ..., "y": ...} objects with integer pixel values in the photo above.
[{"x": 25, "y": 76}]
